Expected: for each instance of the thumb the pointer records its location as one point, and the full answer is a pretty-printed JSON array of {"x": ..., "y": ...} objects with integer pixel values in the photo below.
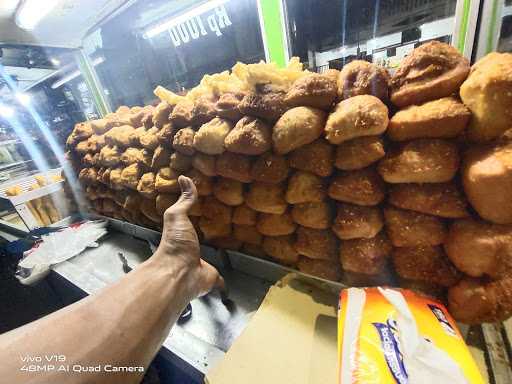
[{"x": 188, "y": 195}]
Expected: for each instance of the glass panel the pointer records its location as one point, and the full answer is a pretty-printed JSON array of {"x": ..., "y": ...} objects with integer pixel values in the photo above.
[
  {"x": 505, "y": 37},
  {"x": 173, "y": 44},
  {"x": 330, "y": 33}
]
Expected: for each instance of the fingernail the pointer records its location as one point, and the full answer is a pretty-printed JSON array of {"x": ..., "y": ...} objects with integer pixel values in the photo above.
[{"x": 183, "y": 182}]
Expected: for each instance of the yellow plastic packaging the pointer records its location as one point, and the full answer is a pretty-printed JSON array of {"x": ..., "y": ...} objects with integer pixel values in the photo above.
[{"x": 397, "y": 336}]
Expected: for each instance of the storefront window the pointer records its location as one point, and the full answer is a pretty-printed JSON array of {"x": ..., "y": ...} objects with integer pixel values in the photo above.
[
  {"x": 330, "y": 33},
  {"x": 173, "y": 44},
  {"x": 505, "y": 37}
]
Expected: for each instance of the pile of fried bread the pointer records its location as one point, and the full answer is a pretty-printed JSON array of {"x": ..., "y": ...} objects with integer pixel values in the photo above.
[{"x": 353, "y": 174}]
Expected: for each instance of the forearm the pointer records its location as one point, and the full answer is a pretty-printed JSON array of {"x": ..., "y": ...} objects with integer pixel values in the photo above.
[{"x": 127, "y": 321}]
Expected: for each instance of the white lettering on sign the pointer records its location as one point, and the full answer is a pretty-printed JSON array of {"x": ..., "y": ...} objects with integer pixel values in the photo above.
[{"x": 194, "y": 28}]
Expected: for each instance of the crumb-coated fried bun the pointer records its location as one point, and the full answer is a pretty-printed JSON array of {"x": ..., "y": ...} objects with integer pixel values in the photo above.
[
  {"x": 226, "y": 242},
  {"x": 425, "y": 263},
  {"x": 148, "y": 209},
  {"x": 166, "y": 181},
  {"x": 204, "y": 109},
  {"x": 251, "y": 136},
  {"x": 266, "y": 198},
  {"x": 316, "y": 215},
  {"x": 161, "y": 157},
  {"x": 130, "y": 175},
  {"x": 410, "y": 229},
  {"x": 243, "y": 215},
  {"x": 210, "y": 137},
  {"x": 135, "y": 136},
  {"x": 421, "y": 161},
  {"x": 366, "y": 256},
  {"x": 149, "y": 139},
  {"x": 96, "y": 142},
  {"x": 180, "y": 162},
  {"x": 254, "y": 250},
  {"x": 166, "y": 134},
  {"x": 115, "y": 179},
  {"x": 183, "y": 141},
  {"x": 488, "y": 94},
  {"x": 297, "y": 127},
  {"x": 234, "y": 166},
  {"x": 212, "y": 228},
  {"x": 316, "y": 157},
  {"x": 99, "y": 127},
  {"x": 147, "y": 118},
  {"x": 131, "y": 155},
  {"x": 332, "y": 74},
  {"x": 161, "y": 114},
  {"x": 203, "y": 183},
  {"x": 281, "y": 249},
  {"x": 229, "y": 191},
  {"x": 431, "y": 71},
  {"x": 355, "y": 222},
  {"x": 132, "y": 202},
  {"x": 269, "y": 224},
  {"x": 227, "y": 106},
  {"x": 204, "y": 164},
  {"x": 270, "y": 168},
  {"x": 360, "y": 77},
  {"x": 182, "y": 114},
  {"x": 439, "y": 199},
  {"x": 266, "y": 103},
  {"x": 479, "y": 248},
  {"x": 110, "y": 156},
  {"x": 213, "y": 209},
  {"x": 146, "y": 186},
  {"x": 90, "y": 160},
  {"x": 247, "y": 234},
  {"x": 487, "y": 181},
  {"x": 317, "y": 243},
  {"x": 442, "y": 118},
  {"x": 361, "y": 187},
  {"x": 314, "y": 90},
  {"x": 359, "y": 153},
  {"x": 305, "y": 187},
  {"x": 164, "y": 201},
  {"x": 358, "y": 116},
  {"x": 325, "y": 269}
]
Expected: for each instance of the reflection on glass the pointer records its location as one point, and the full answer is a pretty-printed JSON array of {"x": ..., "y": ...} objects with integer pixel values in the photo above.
[
  {"x": 330, "y": 33},
  {"x": 505, "y": 37}
]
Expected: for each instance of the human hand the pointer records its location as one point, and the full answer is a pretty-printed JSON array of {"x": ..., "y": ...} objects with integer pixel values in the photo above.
[{"x": 179, "y": 245}]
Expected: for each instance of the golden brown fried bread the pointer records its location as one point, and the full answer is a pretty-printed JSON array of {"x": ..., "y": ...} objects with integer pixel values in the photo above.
[
  {"x": 247, "y": 234},
  {"x": 281, "y": 249},
  {"x": 83, "y": 147},
  {"x": 269, "y": 224},
  {"x": 226, "y": 242},
  {"x": 488, "y": 94},
  {"x": 180, "y": 162},
  {"x": 164, "y": 201},
  {"x": 161, "y": 157},
  {"x": 317, "y": 243},
  {"x": 270, "y": 168},
  {"x": 166, "y": 134},
  {"x": 229, "y": 191},
  {"x": 161, "y": 114},
  {"x": 361, "y": 187},
  {"x": 443, "y": 118},
  {"x": 324, "y": 269},
  {"x": 104, "y": 175},
  {"x": 358, "y": 116},
  {"x": 332, "y": 74},
  {"x": 431, "y": 71},
  {"x": 183, "y": 141},
  {"x": 227, "y": 106},
  {"x": 213, "y": 229},
  {"x": 314, "y": 90},
  {"x": 366, "y": 256},
  {"x": 473, "y": 301},
  {"x": 149, "y": 140},
  {"x": 148, "y": 209},
  {"x": 131, "y": 155},
  {"x": 96, "y": 142},
  {"x": 182, "y": 114},
  {"x": 316, "y": 157},
  {"x": 254, "y": 250},
  {"x": 119, "y": 136},
  {"x": 204, "y": 109},
  {"x": 214, "y": 210},
  {"x": 132, "y": 202},
  {"x": 130, "y": 176},
  {"x": 100, "y": 126},
  {"x": 360, "y": 77},
  {"x": 410, "y": 229},
  {"x": 88, "y": 176},
  {"x": 305, "y": 187},
  {"x": 204, "y": 164},
  {"x": 166, "y": 181},
  {"x": 115, "y": 179},
  {"x": 313, "y": 215},
  {"x": 355, "y": 222},
  {"x": 425, "y": 263},
  {"x": 487, "y": 181},
  {"x": 266, "y": 103},
  {"x": 297, "y": 127},
  {"x": 84, "y": 130},
  {"x": 478, "y": 248},
  {"x": 421, "y": 161},
  {"x": 251, "y": 136},
  {"x": 243, "y": 215},
  {"x": 135, "y": 136},
  {"x": 439, "y": 199},
  {"x": 234, "y": 166},
  {"x": 266, "y": 198},
  {"x": 359, "y": 153},
  {"x": 146, "y": 157},
  {"x": 203, "y": 183},
  {"x": 146, "y": 186},
  {"x": 210, "y": 137},
  {"x": 90, "y": 160},
  {"x": 147, "y": 118}
]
